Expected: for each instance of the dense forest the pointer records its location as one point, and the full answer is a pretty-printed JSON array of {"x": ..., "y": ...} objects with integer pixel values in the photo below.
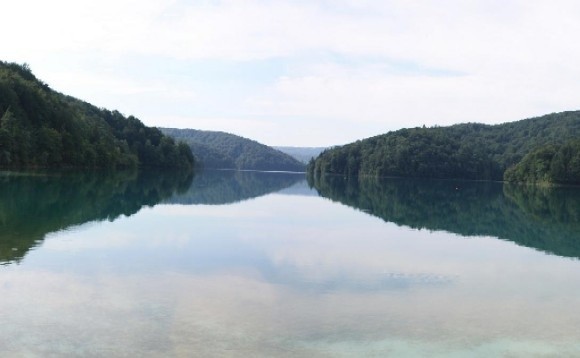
[
  {"x": 550, "y": 164},
  {"x": 219, "y": 150},
  {"x": 543, "y": 218},
  {"x": 468, "y": 151},
  {"x": 42, "y": 128}
]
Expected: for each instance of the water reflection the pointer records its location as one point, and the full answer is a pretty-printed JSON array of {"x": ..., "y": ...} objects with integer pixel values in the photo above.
[
  {"x": 284, "y": 276},
  {"x": 294, "y": 275},
  {"x": 33, "y": 205},
  {"x": 547, "y": 219},
  {"x": 230, "y": 186}
]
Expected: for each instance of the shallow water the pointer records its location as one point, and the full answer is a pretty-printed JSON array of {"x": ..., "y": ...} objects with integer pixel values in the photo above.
[{"x": 256, "y": 264}]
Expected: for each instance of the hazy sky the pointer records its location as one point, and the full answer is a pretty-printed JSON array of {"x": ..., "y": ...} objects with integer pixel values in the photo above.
[{"x": 303, "y": 72}]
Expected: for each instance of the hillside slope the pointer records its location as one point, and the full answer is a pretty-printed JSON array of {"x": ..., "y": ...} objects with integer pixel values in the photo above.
[
  {"x": 468, "y": 151},
  {"x": 221, "y": 150},
  {"x": 550, "y": 164},
  {"x": 40, "y": 127}
]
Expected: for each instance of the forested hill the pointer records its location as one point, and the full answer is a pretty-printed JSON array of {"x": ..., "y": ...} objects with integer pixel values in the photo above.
[
  {"x": 219, "y": 150},
  {"x": 468, "y": 151},
  {"x": 553, "y": 163},
  {"x": 40, "y": 127}
]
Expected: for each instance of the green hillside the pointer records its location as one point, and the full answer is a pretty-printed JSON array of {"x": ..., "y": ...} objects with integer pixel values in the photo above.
[
  {"x": 41, "y": 128},
  {"x": 219, "y": 150},
  {"x": 468, "y": 151},
  {"x": 549, "y": 164}
]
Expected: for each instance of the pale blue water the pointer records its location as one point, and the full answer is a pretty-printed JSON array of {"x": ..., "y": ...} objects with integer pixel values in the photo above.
[{"x": 259, "y": 265}]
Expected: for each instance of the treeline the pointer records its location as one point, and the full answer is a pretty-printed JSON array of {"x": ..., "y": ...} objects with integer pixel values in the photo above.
[
  {"x": 43, "y": 128},
  {"x": 550, "y": 164},
  {"x": 467, "y": 151},
  {"x": 219, "y": 150}
]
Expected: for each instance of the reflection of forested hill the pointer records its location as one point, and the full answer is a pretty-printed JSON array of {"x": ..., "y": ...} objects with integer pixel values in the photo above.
[
  {"x": 301, "y": 188},
  {"x": 228, "y": 186},
  {"x": 544, "y": 219},
  {"x": 33, "y": 205}
]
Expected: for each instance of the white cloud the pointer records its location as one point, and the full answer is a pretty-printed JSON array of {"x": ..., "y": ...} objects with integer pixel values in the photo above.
[
  {"x": 457, "y": 34},
  {"x": 369, "y": 65},
  {"x": 389, "y": 102}
]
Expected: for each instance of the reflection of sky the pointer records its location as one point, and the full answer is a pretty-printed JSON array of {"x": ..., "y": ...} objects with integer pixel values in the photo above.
[
  {"x": 287, "y": 276},
  {"x": 301, "y": 188}
]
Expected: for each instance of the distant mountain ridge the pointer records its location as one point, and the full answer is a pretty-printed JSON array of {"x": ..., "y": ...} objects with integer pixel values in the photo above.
[
  {"x": 302, "y": 154},
  {"x": 220, "y": 150},
  {"x": 463, "y": 151}
]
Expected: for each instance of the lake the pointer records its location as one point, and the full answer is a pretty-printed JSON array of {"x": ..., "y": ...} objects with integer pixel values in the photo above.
[{"x": 250, "y": 264}]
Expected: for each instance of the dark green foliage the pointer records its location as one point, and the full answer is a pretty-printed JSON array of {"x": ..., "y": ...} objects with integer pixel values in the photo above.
[
  {"x": 550, "y": 164},
  {"x": 42, "y": 128},
  {"x": 210, "y": 157},
  {"x": 467, "y": 151},
  {"x": 546, "y": 219},
  {"x": 218, "y": 150}
]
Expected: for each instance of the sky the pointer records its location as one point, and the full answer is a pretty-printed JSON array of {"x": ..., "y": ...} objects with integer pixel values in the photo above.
[{"x": 303, "y": 72}]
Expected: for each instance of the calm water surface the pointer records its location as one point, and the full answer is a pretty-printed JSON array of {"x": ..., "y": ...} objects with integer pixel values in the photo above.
[{"x": 241, "y": 264}]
